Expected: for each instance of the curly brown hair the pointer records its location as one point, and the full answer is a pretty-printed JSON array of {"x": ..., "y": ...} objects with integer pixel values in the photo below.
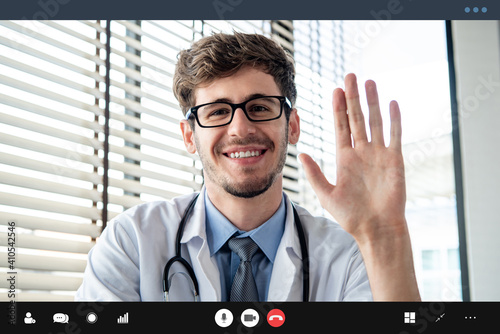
[{"x": 221, "y": 55}]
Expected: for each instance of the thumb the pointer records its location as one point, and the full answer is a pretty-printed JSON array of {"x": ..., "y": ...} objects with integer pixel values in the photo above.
[{"x": 315, "y": 176}]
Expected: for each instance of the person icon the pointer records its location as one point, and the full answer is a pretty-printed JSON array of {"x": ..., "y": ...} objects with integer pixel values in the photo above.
[{"x": 28, "y": 319}]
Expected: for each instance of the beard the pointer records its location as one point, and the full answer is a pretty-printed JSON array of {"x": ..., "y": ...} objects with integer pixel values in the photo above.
[{"x": 251, "y": 187}]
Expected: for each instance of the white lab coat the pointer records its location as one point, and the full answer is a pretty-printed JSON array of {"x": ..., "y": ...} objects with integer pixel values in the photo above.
[{"x": 128, "y": 260}]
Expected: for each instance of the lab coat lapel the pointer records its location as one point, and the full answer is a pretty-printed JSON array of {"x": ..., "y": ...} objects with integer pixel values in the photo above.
[
  {"x": 195, "y": 239},
  {"x": 286, "y": 278}
]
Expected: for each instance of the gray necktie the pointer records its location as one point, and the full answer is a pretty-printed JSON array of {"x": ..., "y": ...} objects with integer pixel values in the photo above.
[{"x": 244, "y": 288}]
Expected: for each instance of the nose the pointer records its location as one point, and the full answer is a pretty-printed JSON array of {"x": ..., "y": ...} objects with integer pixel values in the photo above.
[{"x": 241, "y": 126}]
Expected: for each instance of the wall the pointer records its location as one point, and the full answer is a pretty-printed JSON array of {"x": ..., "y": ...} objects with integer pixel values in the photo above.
[{"x": 477, "y": 65}]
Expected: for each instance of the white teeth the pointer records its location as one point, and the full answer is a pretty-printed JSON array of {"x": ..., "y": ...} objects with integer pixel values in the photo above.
[{"x": 246, "y": 154}]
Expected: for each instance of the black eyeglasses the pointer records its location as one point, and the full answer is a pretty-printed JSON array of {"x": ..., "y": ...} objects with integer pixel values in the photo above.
[{"x": 257, "y": 109}]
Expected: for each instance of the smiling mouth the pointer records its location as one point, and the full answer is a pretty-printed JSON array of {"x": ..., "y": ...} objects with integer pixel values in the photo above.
[{"x": 245, "y": 154}]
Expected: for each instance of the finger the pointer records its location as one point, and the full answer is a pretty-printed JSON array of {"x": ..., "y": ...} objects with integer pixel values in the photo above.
[
  {"x": 340, "y": 119},
  {"x": 396, "y": 128},
  {"x": 315, "y": 176},
  {"x": 356, "y": 118},
  {"x": 375, "y": 119}
]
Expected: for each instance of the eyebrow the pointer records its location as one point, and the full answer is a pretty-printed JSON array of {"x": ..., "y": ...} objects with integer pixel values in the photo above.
[{"x": 246, "y": 98}]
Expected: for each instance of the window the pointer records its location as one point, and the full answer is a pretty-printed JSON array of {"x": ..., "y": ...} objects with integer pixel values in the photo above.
[
  {"x": 431, "y": 260},
  {"x": 408, "y": 60}
]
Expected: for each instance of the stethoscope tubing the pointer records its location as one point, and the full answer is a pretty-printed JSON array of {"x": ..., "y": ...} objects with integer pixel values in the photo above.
[{"x": 192, "y": 275}]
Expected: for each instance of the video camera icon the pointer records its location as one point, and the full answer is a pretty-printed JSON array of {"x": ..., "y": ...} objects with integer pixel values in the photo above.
[{"x": 250, "y": 318}]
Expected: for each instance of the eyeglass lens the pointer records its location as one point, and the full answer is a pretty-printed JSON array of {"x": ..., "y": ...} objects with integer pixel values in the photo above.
[{"x": 260, "y": 109}]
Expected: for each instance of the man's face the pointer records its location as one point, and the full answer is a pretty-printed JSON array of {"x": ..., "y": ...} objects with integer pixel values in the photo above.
[{"x": 266, "y": 141}]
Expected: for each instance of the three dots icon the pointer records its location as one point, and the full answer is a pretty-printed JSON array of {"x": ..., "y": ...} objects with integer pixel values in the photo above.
[{"x": 475, "y": 9}]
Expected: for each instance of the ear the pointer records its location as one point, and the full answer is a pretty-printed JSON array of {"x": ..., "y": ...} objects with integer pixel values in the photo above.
[
  {"x": 188, "y": 136},
  {"x": 293, "y": 127}
]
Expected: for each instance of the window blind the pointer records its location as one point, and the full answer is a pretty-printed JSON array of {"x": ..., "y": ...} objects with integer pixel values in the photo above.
[
  {"x": 318, "y": 51},
  {"x": 51, "y": 92},
  {"x": 148, "y": 160}
]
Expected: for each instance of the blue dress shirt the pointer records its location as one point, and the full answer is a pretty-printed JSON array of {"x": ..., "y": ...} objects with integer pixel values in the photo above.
[{"x": 267, "y": 236}]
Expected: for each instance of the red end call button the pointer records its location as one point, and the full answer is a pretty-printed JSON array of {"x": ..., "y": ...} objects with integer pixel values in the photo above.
[{"x": 276, "y": 318}]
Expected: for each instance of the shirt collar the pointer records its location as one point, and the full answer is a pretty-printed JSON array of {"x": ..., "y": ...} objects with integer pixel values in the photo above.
[{"x": 267, "y": 236}]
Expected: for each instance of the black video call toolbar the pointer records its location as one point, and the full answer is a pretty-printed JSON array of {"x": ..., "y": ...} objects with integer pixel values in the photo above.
[{"x": 358, "y": 317}]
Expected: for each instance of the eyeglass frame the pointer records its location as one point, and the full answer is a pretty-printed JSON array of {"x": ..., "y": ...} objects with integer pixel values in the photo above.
[{"x": 284, "y": 101}]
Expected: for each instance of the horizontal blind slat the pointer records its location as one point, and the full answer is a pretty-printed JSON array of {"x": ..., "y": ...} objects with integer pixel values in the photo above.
[
  {"x": 138, "y": 139},
  {"x": 173, "y": 32},
  {"x": 75, "y": 34},
  {"x": 137, "y": 187},
  {"x": 27, "y": 202},
  {"x": 45, "y": 263},
  {"x": 135, "y": 122},
  {"x": 44, "y": 38},
  {"x": 137, "y": 171},
  {"x": 290, "y": 172},
  {"x": 139, "y": 108},
  {"x": 286, "y": 44},
  {"x": 278, "y": 27},
  {"x": 140, "y": 47},
  {"x": 126, "y": 201},
  {"x": 46, "y": 243},
  {"x": 43, "y": 111},
  {"x": 50, "y": 76},
  {"x": 141, "y": 92},
  {"x": 28, "y": 182},
  {"x": 48, "y": 94},
  {"x": 36, "y": 146},
  {"x": 291, "y": 185},
  {"x": 52, "y": 224},
  {"x": 137, "y": 155},
  {"x": 44, "y": 167},
  {"x": 51, "y": 59},
  {"x": 32, "y": 281},
  {"x": 138, "y": 61},
  {"x": 95, "y": 25},
  {"x": 26, "y": 124},
  {"x": 43, "y": 297},
  {"x": 139, "y": 31}
]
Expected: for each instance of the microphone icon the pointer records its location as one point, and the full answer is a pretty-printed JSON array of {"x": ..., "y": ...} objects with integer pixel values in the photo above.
[{"x": 223, "y": 317}]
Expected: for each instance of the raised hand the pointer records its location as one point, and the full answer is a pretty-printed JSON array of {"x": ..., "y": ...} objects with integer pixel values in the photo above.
[
  {"x": 369, "y": 197},
  {"x": 368, "y": 200}
]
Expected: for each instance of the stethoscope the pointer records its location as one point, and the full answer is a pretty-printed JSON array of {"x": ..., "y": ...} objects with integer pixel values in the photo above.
[{"x": 167, "y": 280}]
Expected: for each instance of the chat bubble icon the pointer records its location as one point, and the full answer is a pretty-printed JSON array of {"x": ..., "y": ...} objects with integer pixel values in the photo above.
[{"x": 61, "y": 318}]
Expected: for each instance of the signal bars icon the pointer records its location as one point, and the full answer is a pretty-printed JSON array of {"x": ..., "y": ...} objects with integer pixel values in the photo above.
[{"x": 123, "y": 319}]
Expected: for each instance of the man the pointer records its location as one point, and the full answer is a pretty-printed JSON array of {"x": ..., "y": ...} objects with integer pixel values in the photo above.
[{"x": 238, "y": 95}]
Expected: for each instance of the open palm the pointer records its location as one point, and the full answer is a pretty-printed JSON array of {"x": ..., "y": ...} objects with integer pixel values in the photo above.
[{"x": 369, "y": 197}]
